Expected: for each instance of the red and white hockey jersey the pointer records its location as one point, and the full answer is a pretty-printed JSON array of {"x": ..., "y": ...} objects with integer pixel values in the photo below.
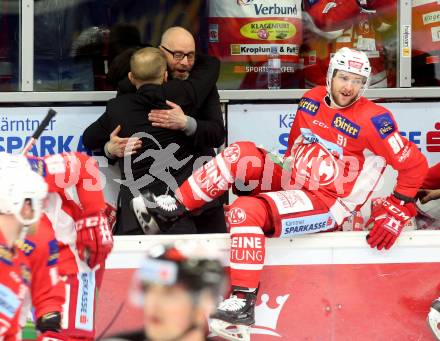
[
  {"x": 75, "y": 192},
  {"x": 340, "y": 154}
]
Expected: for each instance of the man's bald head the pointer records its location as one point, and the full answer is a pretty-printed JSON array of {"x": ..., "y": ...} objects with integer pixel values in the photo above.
[
  {"x": 148, "y": 65},
  {"x": 178, "y": 39}
]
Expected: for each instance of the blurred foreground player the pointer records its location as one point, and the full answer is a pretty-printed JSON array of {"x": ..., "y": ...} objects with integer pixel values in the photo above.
[{"x": 178, "y": 292}]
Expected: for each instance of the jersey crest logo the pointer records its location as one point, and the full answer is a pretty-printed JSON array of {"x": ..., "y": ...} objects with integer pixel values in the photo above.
[
  {"x": 383, "y": 124},
  {"x": 316, "y": 164},
  {"x": 309, "y": 106},
  {"x": 26, "y": 246},
  {"x": 236, "y": 215},
  {"x": 345, "y": 126}
]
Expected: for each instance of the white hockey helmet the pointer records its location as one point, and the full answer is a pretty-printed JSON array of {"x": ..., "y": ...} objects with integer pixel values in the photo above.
[
  {"x": 349, "y": 60},
  {"x": 19, "y": 183}
]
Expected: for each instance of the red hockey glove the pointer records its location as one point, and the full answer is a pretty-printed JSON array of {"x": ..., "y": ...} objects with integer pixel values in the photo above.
[
  {"x": 94, "y": 240},
  {"x": 389, "y": 220},
  {"x": 52, "y": 336}
]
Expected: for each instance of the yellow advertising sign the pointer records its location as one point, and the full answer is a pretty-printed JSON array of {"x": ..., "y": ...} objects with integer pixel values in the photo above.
[{"x": 268, "y": 30}]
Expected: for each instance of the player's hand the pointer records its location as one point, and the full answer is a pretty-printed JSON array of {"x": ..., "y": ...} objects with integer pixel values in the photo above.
[
  {"x": 389, "y": 220},
  {"x": 173, "y": 118},
  {"x": 94, "y": 240},
  {"x": 426, "y": 195},
  {"x": 122, "y": 146}
]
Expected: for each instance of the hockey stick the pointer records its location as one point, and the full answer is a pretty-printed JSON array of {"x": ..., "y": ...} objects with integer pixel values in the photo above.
[{"x": 50, "y": 114}]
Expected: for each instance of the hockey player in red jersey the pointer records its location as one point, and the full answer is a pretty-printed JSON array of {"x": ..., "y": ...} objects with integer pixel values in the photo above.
[
  {"x": 339, "y": 146},
  {"x": 21, "y": 199},
  {"x": 74, "y": 210}
]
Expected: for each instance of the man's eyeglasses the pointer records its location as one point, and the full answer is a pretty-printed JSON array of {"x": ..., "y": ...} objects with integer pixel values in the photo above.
[{"x": 178, "y": 56}]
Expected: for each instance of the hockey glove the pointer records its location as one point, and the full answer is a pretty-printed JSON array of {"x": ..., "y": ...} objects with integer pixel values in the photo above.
[
  {"x": 389, "y": 220},
  {"x": 94, "y": 240}
]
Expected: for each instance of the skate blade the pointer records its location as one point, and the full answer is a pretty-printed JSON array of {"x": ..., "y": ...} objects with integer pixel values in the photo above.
[
  {"x": 228, "y": 331},
  {"x": 433, "y": 320}
]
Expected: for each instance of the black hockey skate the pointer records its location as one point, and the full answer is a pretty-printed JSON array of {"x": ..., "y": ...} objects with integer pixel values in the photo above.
[
  {"x": 156, "y": 214},
  {"x": 235, "y": 316},
  {"x": 434, "y": 318}
]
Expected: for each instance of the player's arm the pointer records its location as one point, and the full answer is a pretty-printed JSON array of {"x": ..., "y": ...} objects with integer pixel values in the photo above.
[
  {"x": 94, "y": 237},
  {"x": 399, "y": 153},
  {"x": 80, "y": 172},
  {"x": 412, "y": 167},
  {"x": 47, "y": 290}
]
